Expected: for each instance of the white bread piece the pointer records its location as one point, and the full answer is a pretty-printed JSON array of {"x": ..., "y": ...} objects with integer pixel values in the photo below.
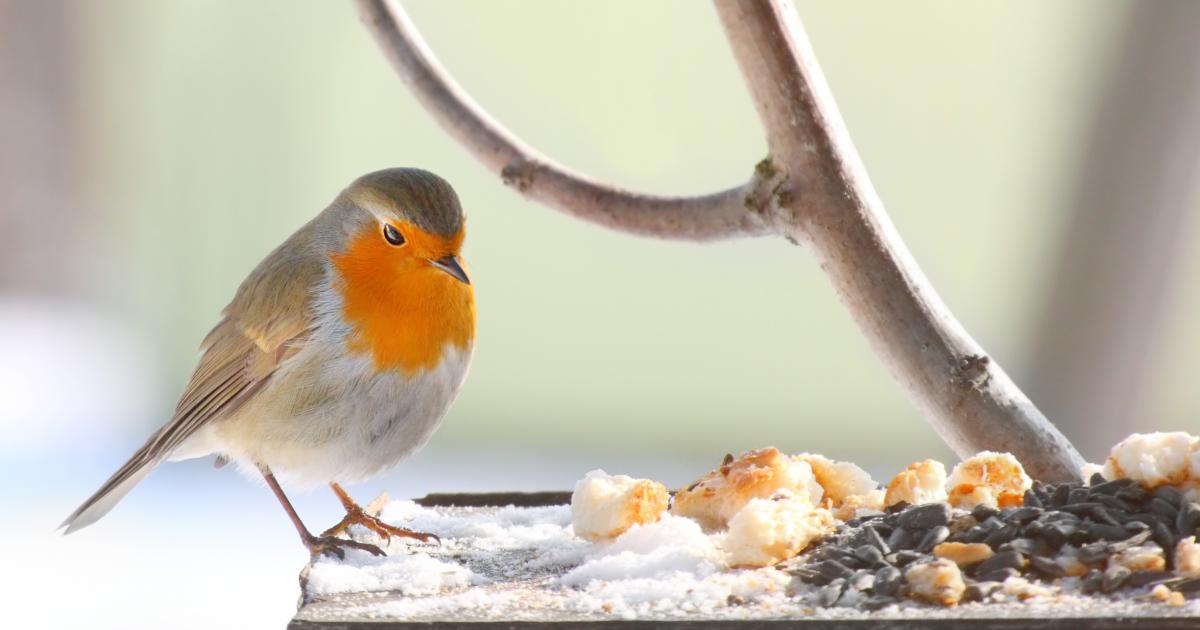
[
  {"x": 995, "y": 479},
  {"x": 715, "y": 498},
  {"x": 603, "y": 506},
  {"x": 1153, "y": 459},
  {"x": 919, "y": 483},
  {"x": 768, "y": 531}
]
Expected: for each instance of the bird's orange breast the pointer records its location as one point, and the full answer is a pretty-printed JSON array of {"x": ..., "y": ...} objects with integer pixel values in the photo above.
[{"x": 403, "y": 311}]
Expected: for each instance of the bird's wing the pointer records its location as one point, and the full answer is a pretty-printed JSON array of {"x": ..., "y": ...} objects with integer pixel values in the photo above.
[{"x": 267, "y": 322}]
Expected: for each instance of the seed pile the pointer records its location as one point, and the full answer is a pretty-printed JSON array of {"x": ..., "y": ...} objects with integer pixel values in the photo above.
[{"x": 1110, "y": 535}]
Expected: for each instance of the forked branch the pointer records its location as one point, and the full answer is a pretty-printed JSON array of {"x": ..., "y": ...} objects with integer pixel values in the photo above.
[{"x": 812, "y": 189}]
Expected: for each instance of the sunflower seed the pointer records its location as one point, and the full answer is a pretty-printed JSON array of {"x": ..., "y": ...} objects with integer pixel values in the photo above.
[{"x": 925, "y": 516}]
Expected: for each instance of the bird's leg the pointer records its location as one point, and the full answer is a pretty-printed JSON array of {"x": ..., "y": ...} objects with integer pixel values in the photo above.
[
  {"x": 355, "y": 515},
  {"x": 325, "y": 543}
]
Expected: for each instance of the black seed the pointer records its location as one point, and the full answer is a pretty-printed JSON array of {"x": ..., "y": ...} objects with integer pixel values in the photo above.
[
  {"x": 869, "y": 554},
  {"x": 1093, "y": 552},
  {"x": 1113, "y": 578},
  {"x": 871, "y": 537},
  {"x": 809, "y": 576},
  {"x": 1188, "y": 586},
  {"x": 1083, "y": 508},
  {"x": 1002, "y": 535},
  {"x": 1032, "y": 500},
  {"x": 1133, "y": 541},
  {"x": 1026, "y": 546},
  {"x": 1145, "y": 578},
  {"x": 1047, "y": 566},
  {"x": 973, "y": 535},
  {"x": 1092, "y": 581},
  {"x": 828, "y": 595},
  {"x": 897, "y": 508},
  {"x": 933, "y": 538},
  {"x": 1163, "y": 535},
  {"x": 1076, "y": 496},
  {"x": 1099, "y": 531},
  {"x": 1163, "y": 508},
  {"x": 1134, "y": 494},
  {"x": 999, "y": 575},
  {"x": 904, "y": 556},
  {"x": 1096, "y": 479},
  {"x": 1055, "y": 535},
  {"x": 1003, "y": 560},
  {"x": 1112, "y": 487},
  {"x": 983, "y": 512},
  {"x": 1114, "y": 503},
  {"x": 1150, "y": 519},
  {"x": 832, "y": 569},
  {"x": 1058, "y": 517},
  {"x": 1059, "y": 497},
  {"x": 862, "y": 581},
  {"x": 901, "y": 538},
  {"x": 1100, "y": 514},
  {"x": 1170, "y": 494},
  {"x": 1022, "y": 515},
  {"x": 1188, "y": 519},
  {"x": 925, "y": 516},
  {"x": 887, "y": 581}
]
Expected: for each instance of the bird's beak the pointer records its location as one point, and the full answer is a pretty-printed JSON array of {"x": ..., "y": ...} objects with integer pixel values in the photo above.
[{"x": 450, "y": 265}]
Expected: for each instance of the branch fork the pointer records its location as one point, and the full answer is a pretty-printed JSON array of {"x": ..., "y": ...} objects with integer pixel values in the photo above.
[{"x": 812, "y": 189}]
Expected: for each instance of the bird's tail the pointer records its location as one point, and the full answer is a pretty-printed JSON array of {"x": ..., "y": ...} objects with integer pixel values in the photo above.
[{"x": 113, "y": 490}]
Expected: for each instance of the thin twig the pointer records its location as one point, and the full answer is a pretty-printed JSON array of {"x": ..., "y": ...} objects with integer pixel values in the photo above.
[{"x": 730, "y": 213}]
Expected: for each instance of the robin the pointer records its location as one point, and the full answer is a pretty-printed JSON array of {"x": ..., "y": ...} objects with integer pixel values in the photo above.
[{"x": 337, "y": 358}]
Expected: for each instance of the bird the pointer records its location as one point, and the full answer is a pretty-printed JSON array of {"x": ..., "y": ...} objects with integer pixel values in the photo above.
[{"x": 338, "y": 356}]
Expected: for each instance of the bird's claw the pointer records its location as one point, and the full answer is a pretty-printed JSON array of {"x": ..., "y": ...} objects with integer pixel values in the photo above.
[
  {"x": 334, "y": 546},
  {"x": 356, "y": 516}
]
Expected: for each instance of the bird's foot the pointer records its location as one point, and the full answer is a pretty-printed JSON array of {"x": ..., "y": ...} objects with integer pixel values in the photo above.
[
  {"x": 357, "y": 516},
  {"x": 335, "y": 546}
]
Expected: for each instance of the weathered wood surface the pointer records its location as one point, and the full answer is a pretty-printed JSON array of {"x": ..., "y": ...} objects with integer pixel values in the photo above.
[{"x": 334, "y": 613}]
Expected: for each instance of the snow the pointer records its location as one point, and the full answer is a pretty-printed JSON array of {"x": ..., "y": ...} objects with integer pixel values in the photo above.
[
  {"x": 517, "y": 564},
  {"x": 507, "y": 562}
]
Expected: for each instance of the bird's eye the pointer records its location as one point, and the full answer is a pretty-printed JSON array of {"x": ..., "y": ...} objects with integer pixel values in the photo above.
[{"x": 392, "y": 235}]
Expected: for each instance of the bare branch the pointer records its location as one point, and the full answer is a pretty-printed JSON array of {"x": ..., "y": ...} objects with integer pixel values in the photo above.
[
  {"x": 813, "y": 190},
  {"x": 832, "y": 207},
  {"x": 731, "y": 213}
]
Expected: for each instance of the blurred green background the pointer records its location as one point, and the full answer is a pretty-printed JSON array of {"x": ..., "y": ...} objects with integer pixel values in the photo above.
[{"x": 198, "y": 135}]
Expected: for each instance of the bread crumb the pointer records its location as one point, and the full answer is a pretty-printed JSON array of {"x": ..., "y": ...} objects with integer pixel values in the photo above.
[
  {"x": 858, "y": 504},
  {"x": 1187, "y": 557},
  {"x": 843, "y": 482},
  {"x": 1023, "y": 589},
  {"x": 768, "y": 531},
  {"x": 937, "y": 582},
  {"x": 1167, "y": 596},
  {"x": 716, "y": 497},
  {"x": 922, "y": 482},
  {"x": 1143, "y": 558},
  {"x": 963, "y": 554},
  {"x": 603, "y": 506},
  {"x": 1153, "y": 459},
  {"x": 988, "y": 478}
]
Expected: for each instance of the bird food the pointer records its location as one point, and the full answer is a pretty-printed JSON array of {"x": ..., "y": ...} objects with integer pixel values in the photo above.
[{"x": 770, "y": 535}]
